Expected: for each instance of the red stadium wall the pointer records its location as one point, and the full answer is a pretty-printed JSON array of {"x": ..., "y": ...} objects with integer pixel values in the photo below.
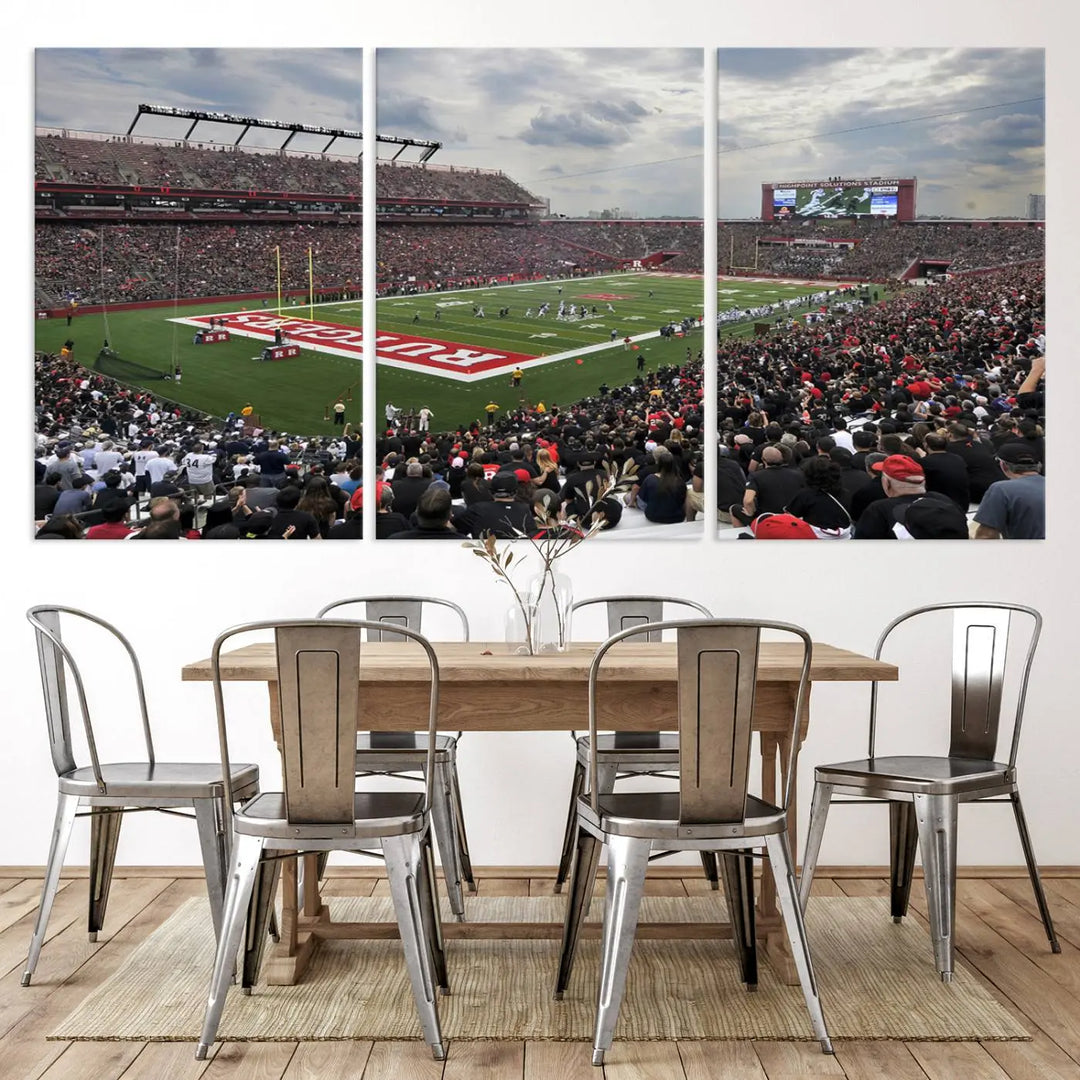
[{"x": 247, "y": 298}]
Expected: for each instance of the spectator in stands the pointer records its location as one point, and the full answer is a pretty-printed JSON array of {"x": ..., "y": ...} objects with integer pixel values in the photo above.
[
  {"x": 505, "y": 516},
  {"x": 1014, "y": 508},
  {"x": 299, "y": 524},
  {"x": 946, "y": 473},
  {"x": 114, "y": 525},
  {"x": 77, "y": 499},
  {"x": 903, "y": 481},
  {"x": 663, "y": 494},
  {"x": 768, "y": 489},
  {"x": 432, "y": 518}
]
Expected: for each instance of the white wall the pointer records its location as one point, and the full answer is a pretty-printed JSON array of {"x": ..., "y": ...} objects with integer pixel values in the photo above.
[{"x": 173, "y": 601}]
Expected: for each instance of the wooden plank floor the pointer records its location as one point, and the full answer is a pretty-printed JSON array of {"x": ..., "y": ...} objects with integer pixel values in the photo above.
[{"x": 998, "y": 933}]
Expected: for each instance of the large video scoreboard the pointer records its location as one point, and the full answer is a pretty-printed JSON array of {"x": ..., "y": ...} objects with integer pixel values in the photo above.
[{"x": 834, "y": 198}]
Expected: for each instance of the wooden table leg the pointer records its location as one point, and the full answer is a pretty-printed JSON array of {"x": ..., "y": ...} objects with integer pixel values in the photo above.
[
  {"x": 287, "y": 960},
  {"x": 313, "y": 905},
  {"x": 289, "y": 908}
]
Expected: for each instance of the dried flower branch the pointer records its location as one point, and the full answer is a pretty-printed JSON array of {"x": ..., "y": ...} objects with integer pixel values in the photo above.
[{"x": 556, "y": 535}]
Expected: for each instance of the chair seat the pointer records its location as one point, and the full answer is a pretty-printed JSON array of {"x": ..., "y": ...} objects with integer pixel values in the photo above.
[
  {"x": 921, "y": 775},
  {"x": 375, "y": 742},
  {"x": 162, "y": 780},
  {"x": 655, "y": 814},
  {"x": 660, "y": 748},
  {"x": 375, "y": 813}
]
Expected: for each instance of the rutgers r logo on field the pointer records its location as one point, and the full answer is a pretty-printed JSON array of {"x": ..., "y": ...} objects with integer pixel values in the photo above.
[{"x": 446, "y": 359}]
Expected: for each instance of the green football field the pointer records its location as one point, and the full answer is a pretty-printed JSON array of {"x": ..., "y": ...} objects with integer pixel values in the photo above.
[{"x": 294, "y": 395}]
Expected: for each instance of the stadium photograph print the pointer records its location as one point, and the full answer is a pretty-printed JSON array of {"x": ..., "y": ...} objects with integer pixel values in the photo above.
[
  {"x": 881, "y": 310},
  {"x": 540, "y": 290},
  {"x": 198, "y": 275}
]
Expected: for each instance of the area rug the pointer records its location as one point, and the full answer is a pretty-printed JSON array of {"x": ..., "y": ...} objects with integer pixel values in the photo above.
[{"x": 877, "y": 981}]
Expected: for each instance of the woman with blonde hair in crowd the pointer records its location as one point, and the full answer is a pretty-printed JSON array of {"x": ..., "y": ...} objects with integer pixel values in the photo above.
[{"x": 549, "y": 471}]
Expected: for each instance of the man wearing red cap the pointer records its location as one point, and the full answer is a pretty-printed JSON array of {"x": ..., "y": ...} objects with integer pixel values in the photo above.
[{"x": 903, "y": 480}]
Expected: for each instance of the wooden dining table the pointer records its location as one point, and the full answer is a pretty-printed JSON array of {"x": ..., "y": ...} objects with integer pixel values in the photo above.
[{"x": 483, "y": 687}]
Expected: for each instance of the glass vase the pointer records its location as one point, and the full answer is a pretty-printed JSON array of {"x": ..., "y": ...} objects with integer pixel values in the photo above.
[
  {"x": 519, "y": 627},
  {"x": 551, "y": 595}
]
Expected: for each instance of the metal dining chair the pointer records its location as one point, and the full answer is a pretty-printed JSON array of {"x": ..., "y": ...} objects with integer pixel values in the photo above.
[
  {"x": 107, "y": 790},
  {"x": 624, "y": 754},
  {"x": 711, "y": 811},
  {"x": 319, "y": 810},
  {"x": 924, "y": 792},
  {"x": 403, "y": 754}
]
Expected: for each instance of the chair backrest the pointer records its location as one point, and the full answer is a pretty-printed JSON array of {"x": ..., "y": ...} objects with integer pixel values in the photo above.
[
  {"x": 717, "y": 678},
  {"x": 395, "y": 611},
  {"x": 56, "y": 661},
  {"x": 318, "y": 675},
  {"x": 980, "y": 640},
  {"x": 624, "y": 612}
]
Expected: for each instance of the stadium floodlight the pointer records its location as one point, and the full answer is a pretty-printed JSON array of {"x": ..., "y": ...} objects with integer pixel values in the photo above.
[{"x": 246, "y": 123}]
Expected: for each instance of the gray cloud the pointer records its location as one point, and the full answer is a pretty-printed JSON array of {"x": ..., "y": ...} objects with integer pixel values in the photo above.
[
  {"x": 769, "y": 65},
  {"x": 578, "y": 127},
  {"x": 942, "y": 115}
]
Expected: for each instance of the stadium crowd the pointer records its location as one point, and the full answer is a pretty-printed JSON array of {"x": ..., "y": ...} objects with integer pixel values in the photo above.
[
  {"x": 126, "y": 262},
  {"x": 875, "y": 251},
  {"x": 129, "y": 262},
  {"x": 838, "y": 426},
  {"x": 116, "y": 160},
  {"x": 112, "y": 462},
  {"x": 851, "y": 417}
]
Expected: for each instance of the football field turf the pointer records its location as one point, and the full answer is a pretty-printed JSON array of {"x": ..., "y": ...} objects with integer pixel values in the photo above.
[{"x": 454, "y": 364}]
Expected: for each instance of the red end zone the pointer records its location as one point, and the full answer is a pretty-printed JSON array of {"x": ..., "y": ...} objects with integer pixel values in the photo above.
[{"x": 447, "y": 358}]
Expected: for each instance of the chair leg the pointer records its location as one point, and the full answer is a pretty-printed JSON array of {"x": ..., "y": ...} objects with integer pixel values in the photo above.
[
  {"x": 819, "y": 811},
  {"x": 66, "y": 805},
  {"x": 427, "y": 890},
  {"x": 712, "y": 871},
  {"x": 403, "y": 856},
  {"x": 442, "y": 821},
  {"x": 582, "y": 880},
  {"x": 260, "y": 916},
  {"x": 628, "y": 862},
  {"x": 213, "y": 840},
  {"x": 787, "y": 896},
  {"x": 903, "y": 838},
  {"x": 1033, "y": 871},
  {"x": 936, "y": 816},
  {"x": 577, "y": 789},
  {"x": 738, "y": 870},
  {"x": 464, "y": 858},
  {"x": 246, "y": 855},
  {"x": 606, "y": 775},
  {"x": 104, "y": 836}
]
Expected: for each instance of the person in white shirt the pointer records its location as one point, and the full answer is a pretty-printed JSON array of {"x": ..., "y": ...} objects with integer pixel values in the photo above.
[
  {"x": 200, "y": 469},
  {"x": 107, "y": 458},
  {"x": 425, "y": 418},
  {"x": 140, "y": 459},
  {"x": 160, "y": 467},
  {"x": 88, "y": 454}
]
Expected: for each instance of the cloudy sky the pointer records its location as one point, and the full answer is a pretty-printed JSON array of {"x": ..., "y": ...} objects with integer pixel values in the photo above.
[
  {"x": 597, "y": 128},
  {"x": 545, "y": 116},
  {"x": 99, "y": 89},
  {"x": 586, "y": 128},
  {"x": 803, "y": 103}
]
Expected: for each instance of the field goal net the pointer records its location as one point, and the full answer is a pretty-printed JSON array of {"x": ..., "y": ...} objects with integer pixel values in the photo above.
[{"x": 111, "y": 363}]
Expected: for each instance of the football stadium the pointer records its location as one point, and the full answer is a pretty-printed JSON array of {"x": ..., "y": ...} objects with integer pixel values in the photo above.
[{"x": 198, "y": 334}]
